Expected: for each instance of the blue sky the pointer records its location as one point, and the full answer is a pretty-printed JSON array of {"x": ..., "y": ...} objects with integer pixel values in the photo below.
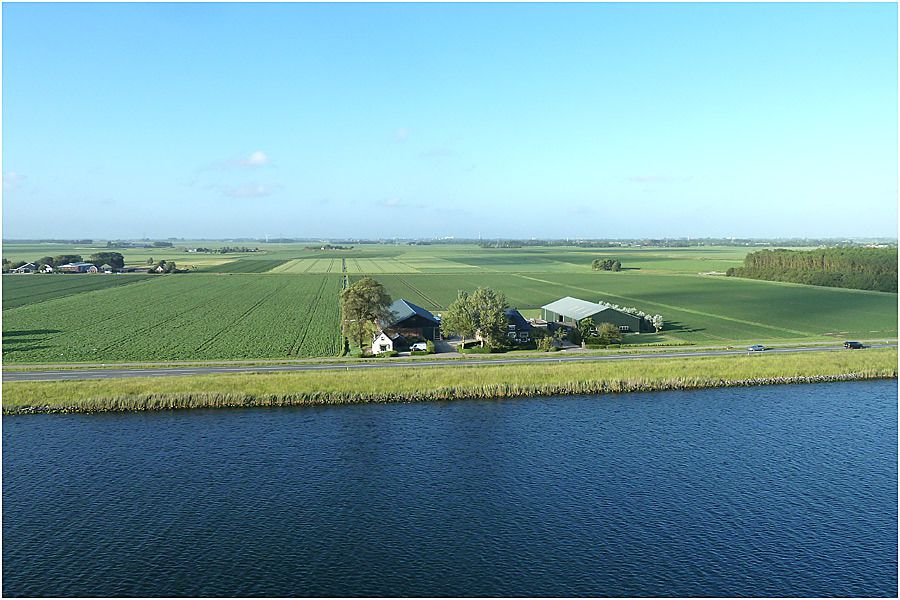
[{"x": 512, "y": 120}]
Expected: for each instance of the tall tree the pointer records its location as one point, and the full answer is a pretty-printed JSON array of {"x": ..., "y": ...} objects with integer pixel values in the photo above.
[
  {"x": 459, "y": 318},
  {"x": 482, "y": 314},
  {"x": 113, "y": 259},
  {"x": 363, "y": 303}
]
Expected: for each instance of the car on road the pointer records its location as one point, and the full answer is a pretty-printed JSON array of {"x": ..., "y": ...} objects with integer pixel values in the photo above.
[
  {"x": 756, "y": 348},
  {"x": 853, "y": 345},
  {"x": 419, "y": 347}
]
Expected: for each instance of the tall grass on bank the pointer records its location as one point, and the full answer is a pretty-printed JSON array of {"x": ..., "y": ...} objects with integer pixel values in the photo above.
[{"x": 415, "y": 384}]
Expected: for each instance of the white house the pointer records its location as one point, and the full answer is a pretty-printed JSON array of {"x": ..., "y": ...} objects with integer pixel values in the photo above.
[
  {"x": 46, "y": 269},
  {"x": 26, "y": 268},
  {"x": 382, "y": 343}
]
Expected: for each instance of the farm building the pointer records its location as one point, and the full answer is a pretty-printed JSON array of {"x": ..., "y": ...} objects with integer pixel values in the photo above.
[
  {"x": 26, "y": 268},
  {"x": 568, "y": 311},
  {"x": 105, "y": 268},
  {"x": 79, "y": 267},
  {"x": 46, "y": 269},
  {"x": 387, "y": 343},
  {"x": 518, "y": 329},
  {"x": 411, "y": 321}
]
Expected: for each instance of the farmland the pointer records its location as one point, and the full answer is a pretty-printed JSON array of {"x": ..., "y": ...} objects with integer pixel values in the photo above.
[
  {"x": 281, "y": 302},
  {"x": 178, "y": 317},
  {"x": 19, "y": 290}
]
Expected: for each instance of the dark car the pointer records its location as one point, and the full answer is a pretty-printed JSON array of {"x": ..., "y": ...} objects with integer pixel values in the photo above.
[{"x": 853, "y": 345}]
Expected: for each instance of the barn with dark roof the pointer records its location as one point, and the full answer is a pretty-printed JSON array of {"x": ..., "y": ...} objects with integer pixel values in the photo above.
[{"x": 411, "y": 321}]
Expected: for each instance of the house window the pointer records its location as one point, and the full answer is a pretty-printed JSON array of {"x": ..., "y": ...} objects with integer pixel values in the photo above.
[
  {"x": 624, "y": 328},
  {"x": 512, "y": 334},
  {"x": 559, "y": 319},
  {"x": 383, "y": 348},
  {"x": 511, "y": 327}
]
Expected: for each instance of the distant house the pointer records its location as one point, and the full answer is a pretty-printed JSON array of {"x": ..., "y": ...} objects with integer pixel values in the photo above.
[
  {"x": 518, "y": 329},
  {"x": 385, "y": 342},
  {"x": 105, "y": 268},
  {"x": 411, "y": 321},
  {"x": 26, "y": 268},
  {"x": 79, "y": 267},
  {"x": 46, "y": 269},
  {"x": 569, "y": 311},
  {"x": 160, "y": 269}
]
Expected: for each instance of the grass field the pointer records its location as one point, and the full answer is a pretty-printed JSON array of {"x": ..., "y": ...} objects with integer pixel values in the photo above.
[
  {"x": 118, "y": 324},
  {"x": 20, "y": 290},
  {"x": 443, "y": 382},
  {"x": 189, "y": 316}
]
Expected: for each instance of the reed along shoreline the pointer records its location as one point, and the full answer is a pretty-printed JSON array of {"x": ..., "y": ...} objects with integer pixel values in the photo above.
[{"x": 438, "y": 383}]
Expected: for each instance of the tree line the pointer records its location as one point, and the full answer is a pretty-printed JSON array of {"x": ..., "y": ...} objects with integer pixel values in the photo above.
[
  {"x": 113, "y": 259},
  {"x": 855, "y": 268}
]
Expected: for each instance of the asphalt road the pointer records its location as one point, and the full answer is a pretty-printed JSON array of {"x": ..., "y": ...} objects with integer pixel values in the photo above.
[{"x": 93, "y": 373}]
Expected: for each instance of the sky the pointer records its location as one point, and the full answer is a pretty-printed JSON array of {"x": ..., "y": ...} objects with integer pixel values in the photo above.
[{"x": 466, "y": 120}]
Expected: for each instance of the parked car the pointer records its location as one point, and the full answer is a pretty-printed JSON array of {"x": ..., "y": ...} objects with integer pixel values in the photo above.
[
  {"x": 853, "y": 345},
  {"x": 756, "y": 348},
  {"x": 419, "y": 347}
]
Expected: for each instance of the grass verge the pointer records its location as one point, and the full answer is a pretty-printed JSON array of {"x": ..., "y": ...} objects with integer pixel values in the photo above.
[{"x": 442, "y": 383}]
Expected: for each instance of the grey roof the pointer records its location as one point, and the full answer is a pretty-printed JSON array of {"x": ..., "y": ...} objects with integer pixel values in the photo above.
[
  {"x": 516, "y": 318},
  {"x": 402, "y": 309},
  {"x": 575, "y": 308}
]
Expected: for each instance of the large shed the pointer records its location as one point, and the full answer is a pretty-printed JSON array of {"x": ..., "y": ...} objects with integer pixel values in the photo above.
[
  {"x": 569, "y": 311},
  {"x": 411, "y": 321}
]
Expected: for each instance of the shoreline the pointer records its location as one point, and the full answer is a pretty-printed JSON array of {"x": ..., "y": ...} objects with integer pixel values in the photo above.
[
  {"x": 423, "y": 384},
  {"x": 155, "y": 402}
]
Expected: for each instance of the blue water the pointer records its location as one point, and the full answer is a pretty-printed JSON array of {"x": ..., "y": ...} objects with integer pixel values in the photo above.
[{"x": 774, "y": 491}]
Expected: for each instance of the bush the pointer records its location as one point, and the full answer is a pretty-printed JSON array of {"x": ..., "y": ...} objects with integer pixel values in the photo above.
[
  {"x": 429, "y": 346},
  {"x": 384, "y": 354},
  {"x": 545, "y": 344},
  {"x": 420, "y": 353},
  {"x": 480, "y": 350}
]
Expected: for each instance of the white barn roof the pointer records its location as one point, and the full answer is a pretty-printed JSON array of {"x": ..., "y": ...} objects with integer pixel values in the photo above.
[{"x": 575, "y": 308}]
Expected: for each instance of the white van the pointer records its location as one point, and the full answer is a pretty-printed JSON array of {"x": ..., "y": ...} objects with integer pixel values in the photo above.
[{"x": 419, "y": 346}]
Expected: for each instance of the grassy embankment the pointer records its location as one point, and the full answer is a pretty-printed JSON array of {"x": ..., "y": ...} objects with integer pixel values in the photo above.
[{"x": 443, "y": 383}]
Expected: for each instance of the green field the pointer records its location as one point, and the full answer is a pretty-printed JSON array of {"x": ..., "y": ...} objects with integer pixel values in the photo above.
[
  {"x": 258, "y": 305},
  {"x": 19, "y": 290},
  {"x": 188, "y": 316}
]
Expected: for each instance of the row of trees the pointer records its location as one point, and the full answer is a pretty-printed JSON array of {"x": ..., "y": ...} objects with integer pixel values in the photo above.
[
  {"x": 856, "y": 268},
  {"x": 607, "y": 264}
]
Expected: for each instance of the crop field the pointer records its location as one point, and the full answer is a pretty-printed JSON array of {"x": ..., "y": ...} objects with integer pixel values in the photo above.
[
  {"x": 248, "y": 265},
  {"x": 21, "y": 290},
  {"x": 282, "y": 301},
  {"x": 189, "y": 316}
]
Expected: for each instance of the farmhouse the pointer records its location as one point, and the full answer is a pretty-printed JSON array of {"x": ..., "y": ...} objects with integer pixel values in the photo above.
[
  {"x": 568, "y": 311},
  {"x": 105, "y": 268},
  {"x": 387, "y": 343},
  {"x": 518, "y": 329},
  {"x": 46, "y": 269},
  {"x": 26, "y": 268},
  {"x": 411, "y": 321},
  {"x": 79, "y": 267}
]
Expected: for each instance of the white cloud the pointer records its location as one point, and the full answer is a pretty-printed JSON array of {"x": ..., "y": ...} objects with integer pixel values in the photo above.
[
  {"x": 401, "y": 134},
  {"x": 391, "y": 202},
  {"x": 12, "y": 180},
  {"x": 257, "y": 159}
]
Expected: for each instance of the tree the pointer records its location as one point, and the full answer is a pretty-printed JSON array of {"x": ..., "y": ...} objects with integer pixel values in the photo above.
[
  {"x": 585, "y": 328},
  {"x": 459, "y": 318},
  {"x": 362, "y": 304},
  {"x": 63, "y": 259},
  {"x": 609, "y": 334},
  {"x": 657, "y": 322},
  {"x": 6, "y": 265},
  {"x": 481, "y": 314},
  {"x": 46, "y": 260},
  {"x": 489, "y": 308},
  {"x": 113, "y": 259},
  {"x": 150, "y": 261}
]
